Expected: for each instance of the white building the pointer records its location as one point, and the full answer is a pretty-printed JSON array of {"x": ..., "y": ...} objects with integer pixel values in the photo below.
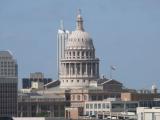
[
  {"x": 79, "y": 67},
  {"x": 110, "y": 106},
  {"x": 145, "y": 113},
  {"x": 62, "y": 38},
  {"x": 36, "y": 83}
]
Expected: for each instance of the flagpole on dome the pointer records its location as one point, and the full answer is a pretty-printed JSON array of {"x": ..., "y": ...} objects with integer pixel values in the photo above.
[{"x": 112, "y": 68}]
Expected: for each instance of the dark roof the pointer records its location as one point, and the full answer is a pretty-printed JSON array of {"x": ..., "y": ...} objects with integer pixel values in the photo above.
[
  {"x": 53, "y": 83},
  {"x": 106, "y": 80},
  {"x": 102, "y": 80}
]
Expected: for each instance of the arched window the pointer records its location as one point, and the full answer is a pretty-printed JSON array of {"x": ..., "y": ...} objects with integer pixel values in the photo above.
[
  {"x": 73, "y": 53},
  {"x": 87, "y": 53},
  {"x": 91, "y": 54},
  {"x": 82, "y": 53},
  {"x": 78, "y": 53}
]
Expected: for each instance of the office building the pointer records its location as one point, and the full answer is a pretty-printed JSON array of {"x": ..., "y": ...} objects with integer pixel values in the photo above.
[
  {"x": 8, "y": 84},
  {"x": 36, "y": 80},
  {"x": 62, "y": 38}
]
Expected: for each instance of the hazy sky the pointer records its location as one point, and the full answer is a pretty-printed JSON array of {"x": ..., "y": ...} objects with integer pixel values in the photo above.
[{"x": 126, "y": 33}]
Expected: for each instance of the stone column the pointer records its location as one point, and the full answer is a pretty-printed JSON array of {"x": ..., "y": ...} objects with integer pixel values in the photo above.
[
  {"x": 91, "y": 69},
  {"x": 64, "y": 69}
]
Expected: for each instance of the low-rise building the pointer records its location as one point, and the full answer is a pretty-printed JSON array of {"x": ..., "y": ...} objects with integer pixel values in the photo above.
[
  {"x": 145, "y": 113},
  {"x": 36, "y": 80},
  {"x": 149, "y": 103},
  {"x": 109, "y": 106},
  {"x": 41, "y": 105},
  {"x": 135, "y": 96}
]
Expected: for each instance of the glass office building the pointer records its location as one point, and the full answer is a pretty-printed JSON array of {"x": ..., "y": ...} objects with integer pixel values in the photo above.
[{"x": 8, "y": 84}]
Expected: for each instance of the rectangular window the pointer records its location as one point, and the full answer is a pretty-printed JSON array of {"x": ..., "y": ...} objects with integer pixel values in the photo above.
[
  {"x": 99, "y": 106},
  {"x": 118, "y": 105},
  {"x": 93, "y": 97},
  {"x": 103, "y": 105},
  {"x": 91, "y": 106},
  {"x": 95, "y": 106},
  {"x": 87, "y": 106},
  {"x": 107, "y": 105}
]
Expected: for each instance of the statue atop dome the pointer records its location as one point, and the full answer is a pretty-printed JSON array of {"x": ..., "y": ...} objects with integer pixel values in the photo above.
[{"x": 79, "y": 21}]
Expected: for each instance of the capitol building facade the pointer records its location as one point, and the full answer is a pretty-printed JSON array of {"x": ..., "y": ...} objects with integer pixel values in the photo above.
[{"x": 78, "y": 80}]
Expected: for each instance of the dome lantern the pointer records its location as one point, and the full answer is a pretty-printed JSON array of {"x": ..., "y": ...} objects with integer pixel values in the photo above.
[{"x": 79, "y": 21}]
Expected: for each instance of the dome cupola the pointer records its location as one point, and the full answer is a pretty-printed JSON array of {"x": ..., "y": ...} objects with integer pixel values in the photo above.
[
  {"x": 79, "y": 21},
  {"x": 79, "y": 39}
]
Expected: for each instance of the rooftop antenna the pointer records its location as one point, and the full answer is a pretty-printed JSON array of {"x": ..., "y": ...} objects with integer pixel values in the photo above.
[
  {"x": 79, "y": 21},
  {"x": 61, "y": 25}
]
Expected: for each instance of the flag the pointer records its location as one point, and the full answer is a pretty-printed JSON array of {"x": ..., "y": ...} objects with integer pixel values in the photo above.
[{"x": 113, "y": 67}]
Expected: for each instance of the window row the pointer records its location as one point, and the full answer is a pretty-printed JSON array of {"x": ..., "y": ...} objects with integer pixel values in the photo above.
[
  {"x": 77, "y": 39},
  {"x": 79, "y": 97},
  {"x": 79, "y": 53},
  {"x": 73, "y": 81},
  {"x": 97, "y": 106}
]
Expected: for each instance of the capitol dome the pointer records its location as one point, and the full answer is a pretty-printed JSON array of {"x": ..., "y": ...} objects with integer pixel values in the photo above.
[
  {"x": 79, "y": 66},
  {"x": 79, "y": 39}
]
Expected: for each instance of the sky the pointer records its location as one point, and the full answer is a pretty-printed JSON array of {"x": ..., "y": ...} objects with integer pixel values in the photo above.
[{"x": 126, "y": 34}]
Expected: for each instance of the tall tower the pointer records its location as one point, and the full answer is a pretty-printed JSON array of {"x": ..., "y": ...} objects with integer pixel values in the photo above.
[
  {"x": 62, "y": 37},
  {"x": 8, "y": 84},
  {"x": 79, "y": 66}
]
